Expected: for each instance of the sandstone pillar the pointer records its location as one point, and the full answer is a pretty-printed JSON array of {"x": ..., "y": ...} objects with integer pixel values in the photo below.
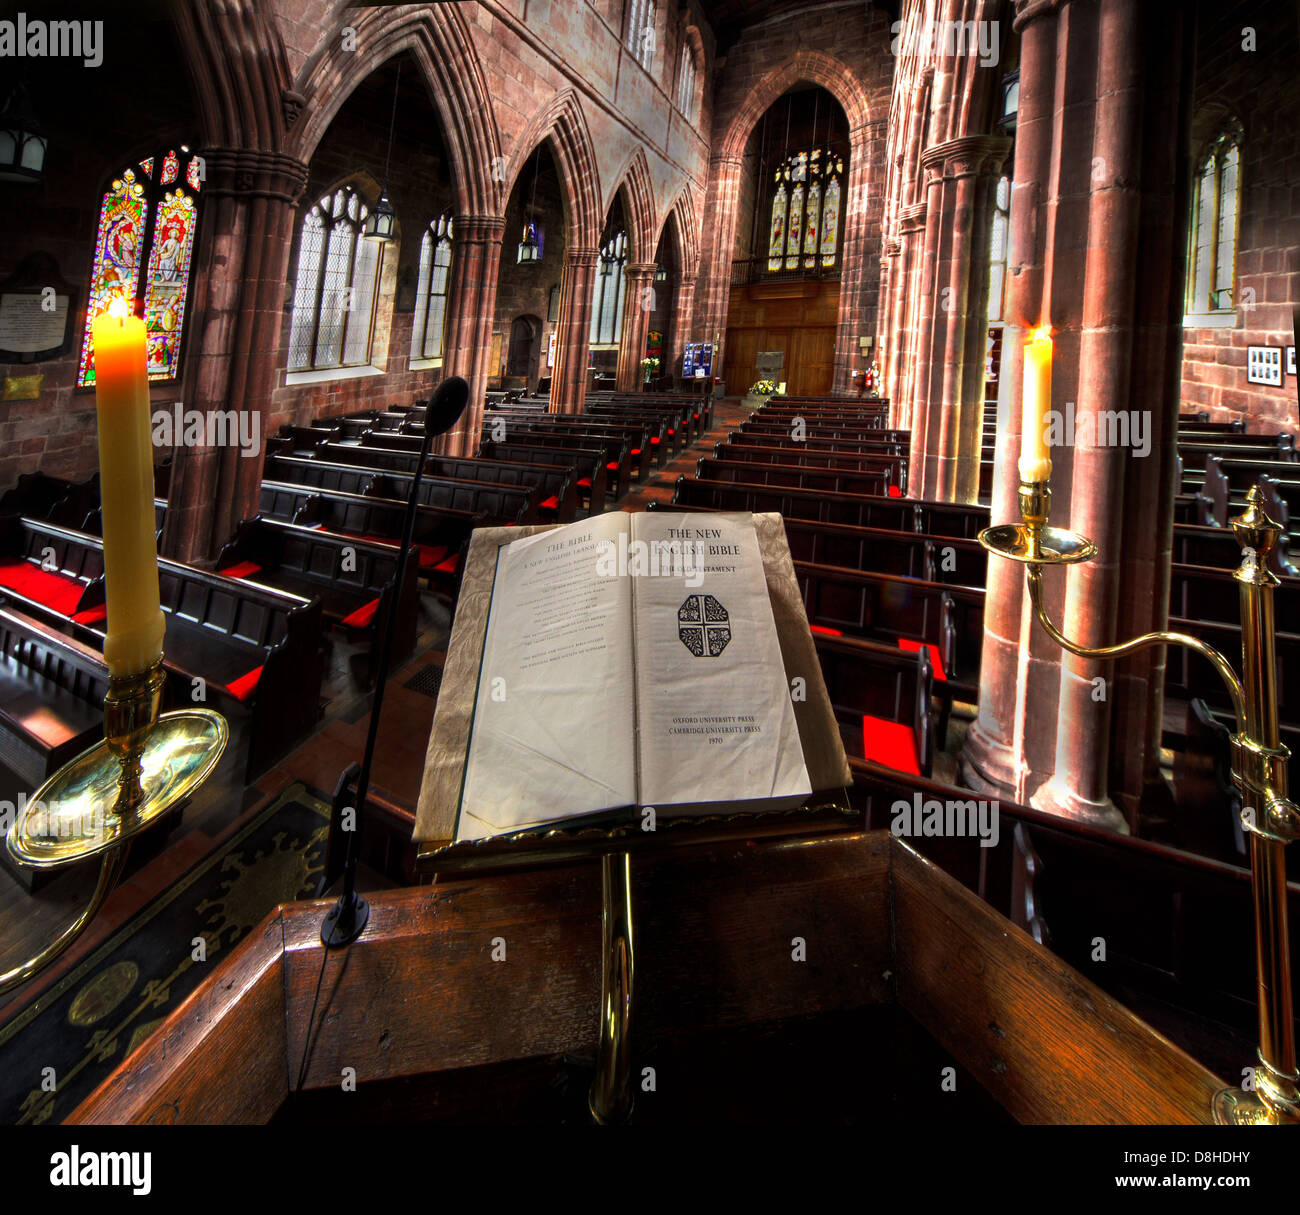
[{"x": 471, "y": 306}]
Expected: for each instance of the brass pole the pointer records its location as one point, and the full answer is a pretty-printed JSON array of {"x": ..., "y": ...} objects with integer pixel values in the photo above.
[{"x": 611, "y": 1091}]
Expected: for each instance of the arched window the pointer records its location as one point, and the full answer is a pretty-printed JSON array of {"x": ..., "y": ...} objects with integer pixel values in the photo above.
[
  {"x": 998, "y": 248},
  {"x": 431, "y": 290},
  {"x": 805, "y": 215},
  {"x": 686, "y": 82},
  {"x": 146, "y": 219},
  {"x": 641, "y": 30},
  {"x": 1212, "y": 259},
  {"x": 607, "y": 307},
  {"x": 334, "y": 298}
]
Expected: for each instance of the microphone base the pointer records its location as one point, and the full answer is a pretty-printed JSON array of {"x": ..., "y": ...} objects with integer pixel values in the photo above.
[{"x": 345, "y": 921}]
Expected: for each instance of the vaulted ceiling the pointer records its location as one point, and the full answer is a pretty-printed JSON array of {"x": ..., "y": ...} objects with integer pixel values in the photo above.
[{"x": 729, "y": 18}]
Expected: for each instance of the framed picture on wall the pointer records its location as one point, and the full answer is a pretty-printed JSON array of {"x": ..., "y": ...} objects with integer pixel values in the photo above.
[
  {"x": 1290, "y": 360},
  {"x": 1264, "y": 365}
]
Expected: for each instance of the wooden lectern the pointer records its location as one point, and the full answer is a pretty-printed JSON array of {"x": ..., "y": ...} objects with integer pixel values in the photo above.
[{"x": 905, "y": 972}]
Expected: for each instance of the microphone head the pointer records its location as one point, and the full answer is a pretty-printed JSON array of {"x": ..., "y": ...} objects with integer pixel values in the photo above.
[{"x": 447, "y": 405}]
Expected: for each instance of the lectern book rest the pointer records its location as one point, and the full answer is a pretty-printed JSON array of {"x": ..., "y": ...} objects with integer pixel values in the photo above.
[{"x": 622, "y": 664}]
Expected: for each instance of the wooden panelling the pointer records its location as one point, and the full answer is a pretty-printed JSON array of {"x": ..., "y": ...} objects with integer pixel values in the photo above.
[{"x": 796, "y": 317}]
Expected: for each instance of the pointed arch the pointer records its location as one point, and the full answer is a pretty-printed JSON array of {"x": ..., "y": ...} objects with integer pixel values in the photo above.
[
  {"x": 812, "y": 67},
  {"x": 639, "y": 206},
  {"x": 562, "y": 124},
  {"x": 439, "y": 41},
  {"x": 684, "y": 212}
]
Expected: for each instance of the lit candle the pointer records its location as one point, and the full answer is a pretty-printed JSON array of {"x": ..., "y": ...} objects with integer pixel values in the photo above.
[
  {"x": 135, "y": 621},
  {"x": 1035, "y": 462}
]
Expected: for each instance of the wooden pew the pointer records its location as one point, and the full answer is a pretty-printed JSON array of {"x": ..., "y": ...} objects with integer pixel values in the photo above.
[
  {"x": 51, "y": 697},
  {"x": 878, "y": 475},
  {"x": 503, "y": 503},
  {"x": 440, "y": 537},
  {"x": 599, "y": 475},
  {"x": 355, "y": 580},
  {"x": 947, "y": 619},
  {"x": 1197, "y": 593},
  {"x": 881, "y": 699},
  {"x": 639, "y": 441},
  {"x": 755, "y": 454},
  {"x": 256, "y": 650}
]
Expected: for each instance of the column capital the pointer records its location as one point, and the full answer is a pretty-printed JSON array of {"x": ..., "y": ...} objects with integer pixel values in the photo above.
[
  {"x": 477, "y": 228},
  {"x": 253, "y": 173},
  {"x": 581, "y": 257},
  {"x": 966, "y": 156},
  {"x": 639, "y": 269},
  {"x": 1032, "y": 10}
]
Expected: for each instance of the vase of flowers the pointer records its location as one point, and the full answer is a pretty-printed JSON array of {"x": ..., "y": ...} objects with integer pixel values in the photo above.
[
  {"x": 763, "y": 388},
  {"x": 649, "y": 365}
]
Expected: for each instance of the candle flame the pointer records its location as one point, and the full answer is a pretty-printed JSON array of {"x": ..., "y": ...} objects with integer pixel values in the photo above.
[
  {"x": 117, "y": 309},
  {"x": 1042, "y": 334}
]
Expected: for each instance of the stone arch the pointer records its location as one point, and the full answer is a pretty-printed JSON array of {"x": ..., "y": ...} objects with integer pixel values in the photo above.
[
  {"x": 561, "y": 123},
  {"x": 439, "y": 41},
  {"x": 814, "y": 68},
  {"x": 638, "y": 206},
  {"x": 683, "y": 212}
]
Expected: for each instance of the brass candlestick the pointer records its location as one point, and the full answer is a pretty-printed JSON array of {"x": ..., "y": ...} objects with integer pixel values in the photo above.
[
  {"x": 98, "y": 802},
  {"x": 1259, "y": 762}
]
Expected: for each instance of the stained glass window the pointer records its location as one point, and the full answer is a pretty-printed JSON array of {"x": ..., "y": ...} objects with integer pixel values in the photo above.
[
  {"x": 804, "y": 229},
  {"x": 641, "y": 30},
  {"x": 335, "y": 290},
  {"x": 776, "y": 238},
  {"x": 143, "y": 224},
  {"x": 431, "y": 290},
  {"x": 607, "y": 309},
  {"x": 1212, "y": 257}
]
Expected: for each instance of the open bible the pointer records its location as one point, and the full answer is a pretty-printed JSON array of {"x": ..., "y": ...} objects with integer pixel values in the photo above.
[{"x": 629, "y": 661}]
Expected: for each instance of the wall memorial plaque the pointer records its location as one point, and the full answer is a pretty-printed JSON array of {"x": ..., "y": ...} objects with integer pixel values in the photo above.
[
  {"x": 771, "y": 360},
  {"x": 35, "y": 312},
  {"x": 1264, "y": 365}
]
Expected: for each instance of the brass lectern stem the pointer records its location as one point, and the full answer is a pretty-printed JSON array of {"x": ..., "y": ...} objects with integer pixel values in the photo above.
[{"x": 611, "y": 1091}]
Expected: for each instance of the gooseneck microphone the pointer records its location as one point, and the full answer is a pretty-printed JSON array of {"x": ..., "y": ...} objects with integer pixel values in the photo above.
[{"x": 346, "y": 920}]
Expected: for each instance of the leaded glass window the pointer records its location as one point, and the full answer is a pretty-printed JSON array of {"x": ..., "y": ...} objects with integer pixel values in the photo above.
[
  {"x": 686, "y": 82},
  {"x": 998, "y": 248},
  {"x": 641, "y": 30},
  {"x": 804, "y": 226},
  {"x": 1212, "y": 258},
  {"x": 607, "y": 307},
  {"x": 335, "y": 290},
  {"x": 147, "y": 220},
  {"x": 431, "y": 290}
]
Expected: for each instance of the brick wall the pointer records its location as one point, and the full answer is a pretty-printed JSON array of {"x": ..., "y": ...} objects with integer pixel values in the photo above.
[{"x": 1259, "y": 87}]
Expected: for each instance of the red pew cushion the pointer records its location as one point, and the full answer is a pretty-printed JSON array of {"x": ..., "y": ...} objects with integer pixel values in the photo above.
[
  {"x": 243, "y": 687},
  {"x": 890, "y": 743},
  {"x": 936, "y": 659},
  {"x": 431, "y": 555},
  {"x": 362, "y": 617},
  {"x": 819, "y": 628},
  {"x": 57, "y": 592},
  {"x": 895, "y": 492},
  {"x": 551, "y": 503},
  {"x": 585, "y": 482},
  {"x": 244, "y": 569},
  {"x": 636, "y": 451},
  {"x": 612, "y": 466},
  {"x": 92, "y": 615},
  {"x": 654, "y": 440}
]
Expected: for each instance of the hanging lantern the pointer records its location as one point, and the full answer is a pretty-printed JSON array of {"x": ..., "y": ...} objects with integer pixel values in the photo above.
[
  {"x": 22, "y": 140},
  {"x": 529, "y": 249},
  {"x": 381, "y": 223}
]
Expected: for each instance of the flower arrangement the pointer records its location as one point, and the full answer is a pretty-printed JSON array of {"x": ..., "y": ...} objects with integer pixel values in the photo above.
[
  {"x": 764, "y": 388},
  {"x": 649, "y": 365}
]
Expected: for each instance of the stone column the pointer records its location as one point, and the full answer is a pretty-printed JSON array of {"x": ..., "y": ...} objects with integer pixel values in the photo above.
[
  {"x": 573, "y": 331},
  {"x": 713, "y": 290},
  {"x": 969, "y": 166},
  {"x": 1018, "y": 661},
  {"x": 249, "y": 201},
  {"x": 638, "y": 277},
  {"x": 680, "y": 326},
  {"x": 911, "y": 226},
  {"x": 471, "y": 306},
  {"x": 1095, "y": 254},
  {"x": 925, "y": 377}
]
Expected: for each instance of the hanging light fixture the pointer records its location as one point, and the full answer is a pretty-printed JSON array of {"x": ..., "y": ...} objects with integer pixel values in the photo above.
[
  {"x": 530, "y": 248},
  {"x": 381, "y": 223},
  {"x": 22, "y": 140},
  {"x": 661, "y": 274}
]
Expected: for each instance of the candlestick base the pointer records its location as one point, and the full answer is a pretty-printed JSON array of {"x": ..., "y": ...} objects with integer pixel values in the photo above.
[
  {"x": 1043, "y": 545},
  {"x": 83, "y": 809}
]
